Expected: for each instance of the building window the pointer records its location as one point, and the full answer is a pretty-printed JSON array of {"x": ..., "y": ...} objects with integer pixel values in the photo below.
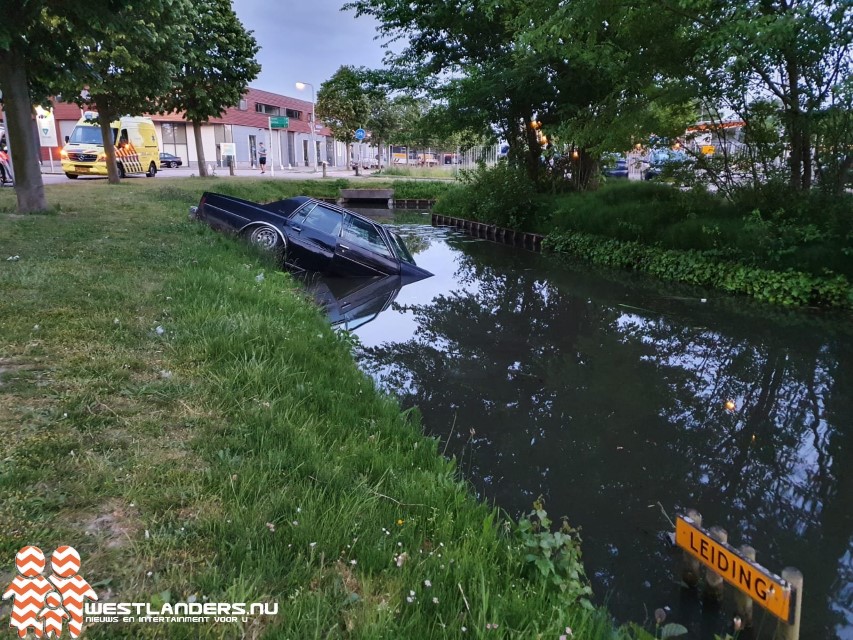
[
  {"x": 175, "y": 139},
  {"x": 244, "y": 105},
  {"x": 267, "y": 109},
  {"x": 293, "y": 113}
]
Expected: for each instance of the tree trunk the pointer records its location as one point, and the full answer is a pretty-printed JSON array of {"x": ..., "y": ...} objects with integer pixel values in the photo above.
[
  {"x": 534, "y": 153},
  {"x": 199, "y": 149},
  {"x": 29, "y": 187},
  {"x": 105, "y": 118},
  {"x": 796, "y": 131}
]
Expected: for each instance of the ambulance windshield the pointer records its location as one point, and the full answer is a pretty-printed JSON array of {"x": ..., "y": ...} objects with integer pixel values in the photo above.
[{"x": 88, "y": 135}]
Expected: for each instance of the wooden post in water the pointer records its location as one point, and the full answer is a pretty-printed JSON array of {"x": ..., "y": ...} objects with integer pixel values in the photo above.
[
  {"x": 792, "y": 631},
  {"x": 690, "y": 565},
  {"x": 713, "y": 580},
  {"x": 743, "y": 603}
]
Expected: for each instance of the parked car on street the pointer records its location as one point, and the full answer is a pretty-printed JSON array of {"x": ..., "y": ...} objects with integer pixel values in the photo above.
[
  {"x": 659, "y": 158},
  {"x": 617, "y": 168},
  {"x": 310, "y": 235},
  {"x": 168, "y": 160}
]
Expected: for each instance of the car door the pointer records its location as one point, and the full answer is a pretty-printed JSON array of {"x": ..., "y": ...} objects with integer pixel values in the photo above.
[
  {"x": 362, "y": 251},
  {"x": 313, "y": 234}
]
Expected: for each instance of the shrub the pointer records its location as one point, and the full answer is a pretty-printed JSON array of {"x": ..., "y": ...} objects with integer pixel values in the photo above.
[{"x": 501, "y": 195}]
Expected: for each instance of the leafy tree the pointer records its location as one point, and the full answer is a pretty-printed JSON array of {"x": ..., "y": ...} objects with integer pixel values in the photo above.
[
  {"x": 462, "y": 55},
  {"x": 796, "y": 53},
  {"x": 118, "y": 79},
  {"x": 39, "y": 47},
  {"x": 384, "y": 120},
  {"x": 219, "y": 64},
  {"x": 344, "y": 105}
]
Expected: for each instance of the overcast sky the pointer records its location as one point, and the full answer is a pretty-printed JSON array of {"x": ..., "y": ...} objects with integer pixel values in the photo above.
[{"x": 306, "y": 40}]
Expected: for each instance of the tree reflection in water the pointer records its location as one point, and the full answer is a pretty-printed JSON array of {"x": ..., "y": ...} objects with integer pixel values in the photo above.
[{"x": 576, "y": 391}]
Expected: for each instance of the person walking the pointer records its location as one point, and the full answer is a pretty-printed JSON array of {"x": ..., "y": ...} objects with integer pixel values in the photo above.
[{"x": 262, "y": 157}]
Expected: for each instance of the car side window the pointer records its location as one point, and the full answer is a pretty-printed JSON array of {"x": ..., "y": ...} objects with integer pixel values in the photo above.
[
  {"x": 364, "y": 234},
  {"x": 324, "y": 219},
  {"x": 299, "y": 216}
]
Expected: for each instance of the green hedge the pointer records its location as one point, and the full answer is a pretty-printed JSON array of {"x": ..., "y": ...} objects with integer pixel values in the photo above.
[{"x": 791, "y": 288}]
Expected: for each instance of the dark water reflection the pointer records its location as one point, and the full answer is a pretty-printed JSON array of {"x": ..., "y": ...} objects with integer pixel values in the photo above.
[{"x": 607, "y": 395}]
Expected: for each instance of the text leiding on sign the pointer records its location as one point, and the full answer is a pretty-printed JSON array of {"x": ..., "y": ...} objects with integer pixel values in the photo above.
[{"x": 766, "y": 588}]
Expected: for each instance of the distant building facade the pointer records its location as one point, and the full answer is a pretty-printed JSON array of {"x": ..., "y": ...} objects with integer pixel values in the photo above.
[{"x": 245, "y": 124}]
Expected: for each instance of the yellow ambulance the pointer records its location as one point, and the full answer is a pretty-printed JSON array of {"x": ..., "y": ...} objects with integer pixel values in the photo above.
[{"x": 135, "y": 140}]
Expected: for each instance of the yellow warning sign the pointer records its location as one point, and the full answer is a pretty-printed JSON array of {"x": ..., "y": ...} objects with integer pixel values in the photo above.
[{"x": 767, "y": 589}]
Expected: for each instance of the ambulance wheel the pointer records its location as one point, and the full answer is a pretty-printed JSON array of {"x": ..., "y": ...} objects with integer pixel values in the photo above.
[
  {"x": 152, "y": 170},
  {"x": 73, "y": 176},
  {"x": 121, "y": 172}
]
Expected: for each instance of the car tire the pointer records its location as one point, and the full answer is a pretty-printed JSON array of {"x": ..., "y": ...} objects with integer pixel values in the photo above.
[
  {"x": 152, "y": 170},
  {"x": 173, "y": 165},
  {"x": 73, "y": 176},
  {"x": 265, "y": 238}
]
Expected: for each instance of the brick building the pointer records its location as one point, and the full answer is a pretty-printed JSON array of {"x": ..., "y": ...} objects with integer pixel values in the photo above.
[{"x": 246, "y": 125}]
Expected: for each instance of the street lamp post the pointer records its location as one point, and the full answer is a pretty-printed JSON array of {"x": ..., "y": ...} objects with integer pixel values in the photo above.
[{"x": 301, "y": 86}]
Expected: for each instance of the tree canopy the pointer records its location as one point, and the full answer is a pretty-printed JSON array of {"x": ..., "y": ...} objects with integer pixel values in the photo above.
[
  {"x": 600, "y": 76},
  {"x": 219, "y": 63}
]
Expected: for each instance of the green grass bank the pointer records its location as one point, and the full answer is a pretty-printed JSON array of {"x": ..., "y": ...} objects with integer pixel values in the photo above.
[
  {"x": 777, "y": 246},
  {"x": 174, "y": 408}
]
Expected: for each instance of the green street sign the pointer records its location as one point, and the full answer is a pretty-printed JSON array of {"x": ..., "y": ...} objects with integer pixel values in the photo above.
[{"x": 279, "y": 122}]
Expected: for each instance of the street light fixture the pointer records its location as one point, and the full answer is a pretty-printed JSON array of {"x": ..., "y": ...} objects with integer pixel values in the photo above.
[{"x": 301, "y": 86}]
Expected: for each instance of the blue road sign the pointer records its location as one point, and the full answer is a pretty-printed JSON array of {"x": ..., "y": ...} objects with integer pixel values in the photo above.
[{"x": 359, "y": 134}]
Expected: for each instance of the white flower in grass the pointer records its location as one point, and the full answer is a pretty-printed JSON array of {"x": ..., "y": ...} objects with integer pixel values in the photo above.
[
  {"x": 427, "y": 584},
  {"x": 401, "y": 559},
  {"x": 410, "y": 599},
  {"x": 312, "y": 544},
  {"x": 353, "y": 562},
  {"x": 435, "y": 600}
]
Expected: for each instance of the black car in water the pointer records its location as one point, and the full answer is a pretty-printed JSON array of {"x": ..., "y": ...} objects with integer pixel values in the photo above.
[{"x": 311, "y": 235}]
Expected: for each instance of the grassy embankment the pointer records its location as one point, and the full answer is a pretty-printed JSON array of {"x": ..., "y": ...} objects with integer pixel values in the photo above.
[
  {"x": 783, "y": 248},
  {"x": 199, "y": 432}
]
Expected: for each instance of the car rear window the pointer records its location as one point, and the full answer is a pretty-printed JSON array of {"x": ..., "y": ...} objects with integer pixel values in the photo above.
[
  {"x": 365, "y": 234},
  {"x": 325, "y": 220}
]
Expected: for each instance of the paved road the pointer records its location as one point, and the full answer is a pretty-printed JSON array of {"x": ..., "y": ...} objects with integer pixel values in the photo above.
[{"x": 286, "y": 174}]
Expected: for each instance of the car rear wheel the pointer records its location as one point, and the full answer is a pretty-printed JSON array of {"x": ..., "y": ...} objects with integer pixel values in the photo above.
[
  {"x": 265, "y": 238},
  {"x": 152, "y": 170},
  {"x": 73, "y": 176},
  {"x": 173, "y": 165}
]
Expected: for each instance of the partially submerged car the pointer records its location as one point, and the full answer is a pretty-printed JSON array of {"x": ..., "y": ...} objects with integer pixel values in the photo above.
[
  {"x": 311, "y": 235},
  {"x": 352, "y": 302}
]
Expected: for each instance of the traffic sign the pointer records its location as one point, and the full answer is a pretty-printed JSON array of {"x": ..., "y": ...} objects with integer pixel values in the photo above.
[
  {"x": 359, "y": 134},
  {"x": 766, "y": 588},
  {"x": 279, "y": 122},
  {"x": 46, "y": 127}
]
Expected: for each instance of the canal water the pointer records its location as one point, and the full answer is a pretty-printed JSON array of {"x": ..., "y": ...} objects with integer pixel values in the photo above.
[{"x": 623, "y": 401}]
